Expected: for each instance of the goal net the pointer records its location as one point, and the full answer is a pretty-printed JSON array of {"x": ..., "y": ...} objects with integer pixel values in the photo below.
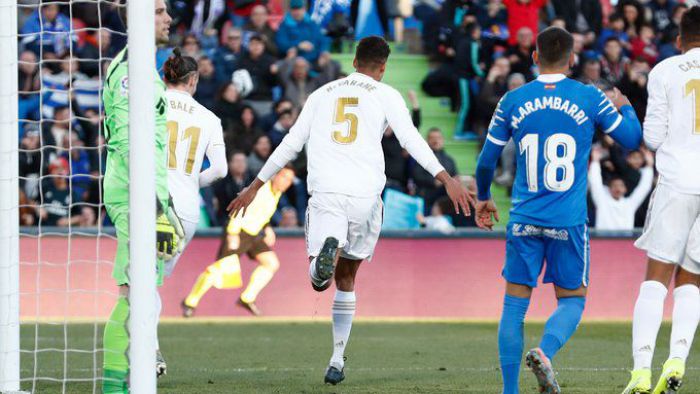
[{"x": 57, "y": 244}]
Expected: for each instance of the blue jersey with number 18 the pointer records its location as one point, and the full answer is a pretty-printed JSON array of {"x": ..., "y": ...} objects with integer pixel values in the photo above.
[{"x": 552, "y": 121}]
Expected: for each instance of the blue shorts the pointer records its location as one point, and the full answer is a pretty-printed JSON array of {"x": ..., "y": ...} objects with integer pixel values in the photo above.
[{"x": 566, "y": 250}]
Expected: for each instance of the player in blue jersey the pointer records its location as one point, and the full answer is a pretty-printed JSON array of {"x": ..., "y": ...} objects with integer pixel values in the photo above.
[{"x": 552, "y": 120}]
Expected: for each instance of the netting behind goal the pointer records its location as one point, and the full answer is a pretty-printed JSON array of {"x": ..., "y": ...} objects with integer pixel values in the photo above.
[{"x": 66, "y": 243}]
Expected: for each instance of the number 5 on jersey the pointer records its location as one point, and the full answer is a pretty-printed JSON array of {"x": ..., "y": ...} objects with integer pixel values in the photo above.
[
  {"x": 191, "y": 133},
  {"x": 342, "y": 117}
]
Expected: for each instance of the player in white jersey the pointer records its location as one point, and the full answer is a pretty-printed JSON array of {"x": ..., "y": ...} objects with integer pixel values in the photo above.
[
  {"x": 342, "y": 124},
  {"x": 193, "y": 132},
  {"x": 671, "y": 235}
]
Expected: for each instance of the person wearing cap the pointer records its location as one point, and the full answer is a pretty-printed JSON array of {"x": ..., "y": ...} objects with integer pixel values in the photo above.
[{"x": 299, "y": 35}]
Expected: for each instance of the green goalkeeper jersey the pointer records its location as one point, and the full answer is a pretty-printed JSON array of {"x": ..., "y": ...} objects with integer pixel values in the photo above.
[{"x": 115, "y": 96}]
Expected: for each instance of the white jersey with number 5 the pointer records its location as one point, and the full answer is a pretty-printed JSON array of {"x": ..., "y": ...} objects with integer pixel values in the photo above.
[
  {"x": 193, "y": 131},
  {"x": 342, "y": 124},
  {"x": 672, "y": 123}
]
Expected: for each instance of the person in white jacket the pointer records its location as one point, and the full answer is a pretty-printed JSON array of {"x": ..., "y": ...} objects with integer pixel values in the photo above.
[{"x": 614, "y": 211}]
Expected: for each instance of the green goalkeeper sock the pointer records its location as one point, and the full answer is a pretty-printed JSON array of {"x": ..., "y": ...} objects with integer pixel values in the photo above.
[{"x": 116, "y": 342}]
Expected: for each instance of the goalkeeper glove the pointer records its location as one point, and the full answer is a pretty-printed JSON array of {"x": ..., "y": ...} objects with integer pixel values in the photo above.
[
  {"x": 177, "y": 226},
  {"x": 166, "y": 238}
]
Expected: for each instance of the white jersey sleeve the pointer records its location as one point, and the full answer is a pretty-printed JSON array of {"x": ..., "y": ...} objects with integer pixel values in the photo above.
[
  {"x": 400, "y": 121},
  {"x": 672, "y": 124}
]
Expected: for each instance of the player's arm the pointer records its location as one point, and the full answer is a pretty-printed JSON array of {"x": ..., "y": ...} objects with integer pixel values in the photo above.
[
  {"x": 498, "y": 135},
  {"x": 216, "y": 153},
  {"x": 410, "y": 139},
  {"x": 618, "y": 120},
  {"x": 287, "y": 151},
  {"x": 656, "y": 119}
]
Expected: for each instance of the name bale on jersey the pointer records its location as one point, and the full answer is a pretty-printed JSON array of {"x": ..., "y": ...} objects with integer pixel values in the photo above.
[
  {"x": 690, "y": 65},
  {"x": 180, "y": 106},
  {"x": 549, "y": 102}
]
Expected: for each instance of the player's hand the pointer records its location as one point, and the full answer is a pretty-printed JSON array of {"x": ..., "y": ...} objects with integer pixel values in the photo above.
[
  {"x": 619, "y": 99},
  {"x": 461, "y": 199},
  {"x": 167, "y": 239},
  {"x": 245, "y": 197},
  {"x": 648, "y": 157},
  {"x": 233, "y": 241},
  {"x": 270, "y": 237},
  {"x": 596, "y": 154},
  {"x": 486, "y": 214}
]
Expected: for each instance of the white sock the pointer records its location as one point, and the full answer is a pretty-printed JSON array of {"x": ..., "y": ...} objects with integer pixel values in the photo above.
[
  {"x": 343, "y": 311},
  {"x": 159, "y": 308},
  {"x": 686, "y": 314},
  {"x": 648, "y": 312}
]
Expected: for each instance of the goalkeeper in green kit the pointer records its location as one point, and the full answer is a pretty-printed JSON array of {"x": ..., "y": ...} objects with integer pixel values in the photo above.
[{"x": 116, "y": 199}]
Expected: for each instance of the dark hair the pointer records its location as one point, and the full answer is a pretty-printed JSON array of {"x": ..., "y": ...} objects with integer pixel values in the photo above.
[
  {"x": 179, "y": 69},
  {"x": 554, "y": 46},
  {"x": 257, "y": 37},
  {"x": 616, "y": 16},
  {"x": 234, "y": 153},
  {"x": 690, "y": 25},
  {"x": 372, "y": 52},
  {"x": 612, "y": 38},
  {"x": 285, "y": 112}
]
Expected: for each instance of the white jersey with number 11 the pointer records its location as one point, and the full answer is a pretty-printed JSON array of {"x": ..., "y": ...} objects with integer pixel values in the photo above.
[{"x": 193, "y": 131}]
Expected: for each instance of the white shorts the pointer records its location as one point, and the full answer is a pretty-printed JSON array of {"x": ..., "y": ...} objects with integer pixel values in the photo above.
[
  {"x": 354, "y": 221},
  {"x": 672, "y": 229},
  {"x": 190, "y": 228}
]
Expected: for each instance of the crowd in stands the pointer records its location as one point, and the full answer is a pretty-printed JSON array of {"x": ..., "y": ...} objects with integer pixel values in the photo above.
[{"x": 259, "y": 60}]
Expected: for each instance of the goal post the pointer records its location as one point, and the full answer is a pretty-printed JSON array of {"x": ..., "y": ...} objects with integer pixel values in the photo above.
[
  {"x": 142, "y": 200},
  {"x": 9, "y": 201}
]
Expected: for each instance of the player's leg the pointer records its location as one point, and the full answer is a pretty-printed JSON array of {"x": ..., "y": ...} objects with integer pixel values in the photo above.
[
  {"x": 326, "y": 232},
  {"x": 268, "y": 264},
  {"x": 524, "y": 260},
  {"x": 225, "y": 273},
  {"x": 116, "y": 339},
  {"x": 343, "y": 312},
  {"x": 686, "y": 314},
  {"x": 562, "y": 324},
  {"x": 665, "y": 249},
  {"x": 365, "y": 217}
]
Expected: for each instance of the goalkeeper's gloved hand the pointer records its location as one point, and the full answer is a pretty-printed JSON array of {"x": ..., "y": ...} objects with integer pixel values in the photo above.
[
  {"x": 166, "y": 238},
  {"x": 177, "y": 226}
]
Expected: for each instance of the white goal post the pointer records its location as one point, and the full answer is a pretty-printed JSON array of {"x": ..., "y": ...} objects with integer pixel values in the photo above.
[{"x": 14, "y": 352}]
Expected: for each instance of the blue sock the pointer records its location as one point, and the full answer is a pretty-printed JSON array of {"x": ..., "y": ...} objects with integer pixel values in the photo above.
[
  {"x": 562, "y": 324},
  {"x": 511, "y": 342}
]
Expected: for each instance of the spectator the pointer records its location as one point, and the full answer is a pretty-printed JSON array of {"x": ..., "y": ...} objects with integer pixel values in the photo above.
[
  {"x": 259, "y": 24},
  {"x": 203, "y": 16},
  {"x": 77, "y": 156},
  {"x": 634, "y": 86},
  {"x": 633, "y": 14},
  {"x": 262, "y": 148},
  {"x": 667, "y": 43},
  {"x": 580, "y": 15},
  {"x": 296, "y": 81},
  {"x": 333, "y": 16},
  {"x": 395, "y": 156},
  {"x": 30, "y": 161},
  {"x": 494, "y": 87},
  {"x": 523, "y": 14},
  {"x": 207, "y": 86},
  {"x": 439, "y": 219},
  {"x": 591, "y": 74},
  {"x": 228, "y": 106},
  {"x": 190, "y": 46},
  {"x": 644, "y": 47},
  {"x": 267, "y": 121},
  {"x": 97, "y": 46},
  {"x": 244, "y": 131},
  {"x": 614, "y": 211},
  {"x": 298, "y": 34},
  {"x": 263, "y": 73},
  {"x": 426, "y": 185},
  {"x": 615, "y": 29},
  {"x": 613, "y": 62},
  {"x": 228, "y": 188},
  {"x": 467, "y": 66},
  {"x": 508, "y": 155},
  {"x": 520, "y": 54},
  {"x": 289, "y": 219},
  {"x": 459, "y": 220},
  {"x": 57, "y": 207},
  {"x": 661, "y": 13},
  {"x": 227, "y": 56},
  {"x": 47, "y": 28},
  {"x": 279, "y": 130}
]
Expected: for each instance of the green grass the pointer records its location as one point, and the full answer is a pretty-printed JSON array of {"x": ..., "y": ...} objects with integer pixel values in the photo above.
[
  {"x": 406, "y": 72},
  {"x": 288, "y": 357}
]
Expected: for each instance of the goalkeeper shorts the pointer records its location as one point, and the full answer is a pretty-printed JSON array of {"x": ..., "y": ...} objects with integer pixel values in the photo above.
[{"x": 119, "y": 214}]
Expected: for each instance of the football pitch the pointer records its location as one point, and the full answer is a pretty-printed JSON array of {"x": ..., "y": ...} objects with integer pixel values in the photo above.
[{"x": 383, "y": 357}]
